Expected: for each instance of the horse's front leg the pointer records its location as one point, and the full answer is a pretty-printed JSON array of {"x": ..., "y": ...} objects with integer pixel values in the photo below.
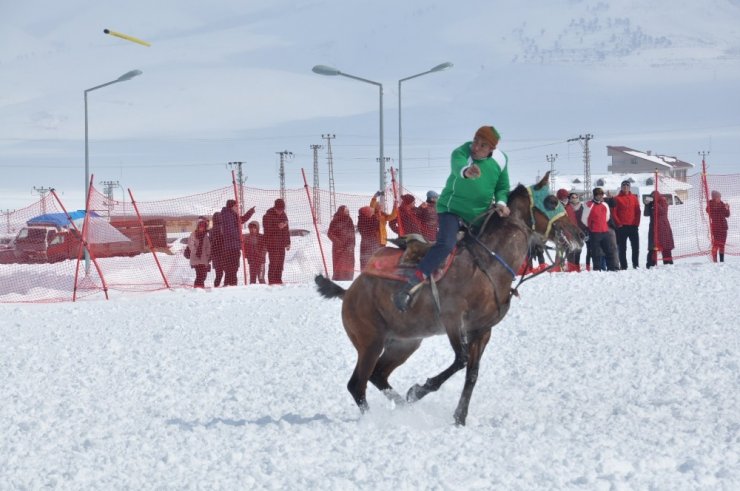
[
  {"x": 433, "y": 384},
  {"x": 475, "y": 352}
]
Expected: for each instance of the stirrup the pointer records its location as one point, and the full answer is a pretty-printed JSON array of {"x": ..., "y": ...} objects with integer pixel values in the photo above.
[{"x": 402, "y": 298}]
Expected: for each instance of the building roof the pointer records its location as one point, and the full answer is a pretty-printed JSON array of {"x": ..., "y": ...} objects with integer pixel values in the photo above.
[{"x": 664, "y": 161}]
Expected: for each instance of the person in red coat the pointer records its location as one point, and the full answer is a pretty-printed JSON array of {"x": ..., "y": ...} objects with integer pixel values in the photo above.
[
  {"x": 277, "y": 240},
  {"x": 596, "y": 217},
  {"x": 718, "y": 212},
  {"x": 367, "y": 226},
  {"x": 255, "y": 251},
  {"x": 407, "y": 221},
  {"x": 657, "y": 209},
  {"x": 428, "y": 219},
  {"x": 342, "y": 236},
  {"x": 626, "y": 214}
]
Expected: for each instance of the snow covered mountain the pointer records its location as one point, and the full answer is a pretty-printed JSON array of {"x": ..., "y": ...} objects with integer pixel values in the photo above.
[{"x": 233, "y": 81}]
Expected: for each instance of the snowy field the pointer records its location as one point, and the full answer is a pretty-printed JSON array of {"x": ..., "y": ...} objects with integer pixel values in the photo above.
[{"x": 626, "y": 380}]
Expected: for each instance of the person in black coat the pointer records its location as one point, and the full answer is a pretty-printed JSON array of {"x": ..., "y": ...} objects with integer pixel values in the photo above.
[
  {"x": 217, "y": 249},
  {"x": 231, "y": 228},
  {"x": 277, "y": 239}
]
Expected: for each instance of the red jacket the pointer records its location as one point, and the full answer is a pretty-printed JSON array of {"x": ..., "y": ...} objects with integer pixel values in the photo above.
[
  {"x": 626, "y": 209},
  {"x": 595, "y": 216}
]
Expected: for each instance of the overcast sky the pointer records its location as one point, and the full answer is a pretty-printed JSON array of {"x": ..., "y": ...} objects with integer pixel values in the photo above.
[{"x": 232, "y": 81}]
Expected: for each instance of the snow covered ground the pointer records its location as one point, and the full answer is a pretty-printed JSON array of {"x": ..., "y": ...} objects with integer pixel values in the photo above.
[{"x": 626, "y": 380}]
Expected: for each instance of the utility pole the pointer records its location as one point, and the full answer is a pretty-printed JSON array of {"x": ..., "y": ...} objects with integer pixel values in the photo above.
[
  {"x": 108, "y": 188},
  {"x": 330, "y": 161},
  {"x": 240, "y": 178},
  {"x": 316, "y": 190},
  {"x": 7, "y": 214},
  {"x": 42, "y": 192},
  {"x": 584, "y": 139},
  {"x": 551, "y": 159},
  {"x": 283, "y": 156}
]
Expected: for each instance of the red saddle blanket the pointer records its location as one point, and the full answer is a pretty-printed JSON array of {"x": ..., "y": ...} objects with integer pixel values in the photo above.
[{"x": 386, "y": 263}]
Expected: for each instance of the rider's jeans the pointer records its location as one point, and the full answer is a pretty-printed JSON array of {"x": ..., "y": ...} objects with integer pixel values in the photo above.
[{"x": 449, "y": 224}]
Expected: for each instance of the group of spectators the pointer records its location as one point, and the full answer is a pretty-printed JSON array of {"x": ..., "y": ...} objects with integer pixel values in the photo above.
[
  {"x": 221, "y": 245},
  {"x": 372, "y": 223},
  {"x": 610, "y": 222}
]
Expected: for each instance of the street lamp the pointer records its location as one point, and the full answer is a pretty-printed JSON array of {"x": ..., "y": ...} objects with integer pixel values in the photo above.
[
  {"x": 438, "y": 68},
  {"x": 331, "y": 71},
  {"x": 126, "y": 76}
]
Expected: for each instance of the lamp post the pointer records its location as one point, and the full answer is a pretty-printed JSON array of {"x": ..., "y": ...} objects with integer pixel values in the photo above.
[
  {"x": 126, "y": 76},
  {"x": 438, "y": 68},
  {"x": 331, "y": 71}
]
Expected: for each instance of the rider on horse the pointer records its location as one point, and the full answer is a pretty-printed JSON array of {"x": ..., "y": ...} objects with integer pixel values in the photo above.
[{"x": 479, "y": 177}]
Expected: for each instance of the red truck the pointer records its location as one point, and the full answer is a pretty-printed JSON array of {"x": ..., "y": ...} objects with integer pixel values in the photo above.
[{"x": 46, "y": 239}]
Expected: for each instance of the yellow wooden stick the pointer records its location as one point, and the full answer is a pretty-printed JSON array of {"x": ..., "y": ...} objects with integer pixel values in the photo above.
[{"x": 126, "y": 37}]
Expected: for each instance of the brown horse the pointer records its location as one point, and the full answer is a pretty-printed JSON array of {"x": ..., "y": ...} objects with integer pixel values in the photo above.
[{"x": 474, "y": 296}]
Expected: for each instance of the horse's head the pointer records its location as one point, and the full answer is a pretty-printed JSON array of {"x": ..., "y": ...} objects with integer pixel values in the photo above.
[{"x": 544, "y": 212}]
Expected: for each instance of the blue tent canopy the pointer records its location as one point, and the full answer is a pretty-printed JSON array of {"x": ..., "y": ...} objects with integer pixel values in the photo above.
[{"x": 59, "y": 219}]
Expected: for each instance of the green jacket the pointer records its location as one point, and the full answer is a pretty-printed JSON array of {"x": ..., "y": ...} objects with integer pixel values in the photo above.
[{"x": 468, "y": 198}]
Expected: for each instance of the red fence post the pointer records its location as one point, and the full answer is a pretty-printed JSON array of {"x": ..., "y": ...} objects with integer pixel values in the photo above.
[
  {"x": 239, "y": 221},
  {"x": 83, "y": 242},
  {"x": 315, "y": 222},
  {"x": 148, "y": 239}
]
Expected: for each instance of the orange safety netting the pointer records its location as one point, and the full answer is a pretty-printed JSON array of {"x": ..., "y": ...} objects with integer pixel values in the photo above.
[{"x": 140, "y": 245}]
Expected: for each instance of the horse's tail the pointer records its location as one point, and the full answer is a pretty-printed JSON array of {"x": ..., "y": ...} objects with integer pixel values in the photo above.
[{"x": 327, "y": 288}]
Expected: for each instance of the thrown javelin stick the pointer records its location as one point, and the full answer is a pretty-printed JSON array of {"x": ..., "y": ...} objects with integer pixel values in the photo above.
[{"x": 126, "y": 37}]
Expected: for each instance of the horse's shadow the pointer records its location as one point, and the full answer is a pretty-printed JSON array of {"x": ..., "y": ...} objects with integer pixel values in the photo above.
[{"x": 290, "y": 418}]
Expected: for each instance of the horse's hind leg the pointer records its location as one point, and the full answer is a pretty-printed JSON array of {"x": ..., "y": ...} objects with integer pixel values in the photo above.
[
  {"x": 367, "y": 356},
  {"x": 395, "y": 354},
  {"x": 433, "y": 384}
]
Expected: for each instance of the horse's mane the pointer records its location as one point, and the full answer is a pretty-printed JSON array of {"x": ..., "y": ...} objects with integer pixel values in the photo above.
[{"x": 493, "y": 221}]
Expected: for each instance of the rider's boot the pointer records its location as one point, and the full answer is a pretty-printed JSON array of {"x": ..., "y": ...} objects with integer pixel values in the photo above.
[{"x": 402, "y": 298}]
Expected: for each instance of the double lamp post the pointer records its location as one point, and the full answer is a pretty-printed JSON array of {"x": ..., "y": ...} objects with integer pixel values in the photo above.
[{"x": 331, "y": 71}]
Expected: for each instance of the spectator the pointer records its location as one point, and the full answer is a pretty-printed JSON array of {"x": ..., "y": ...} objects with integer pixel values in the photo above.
[
  {"x": 575, "y": 203},
  {"x": 479, "y": 176},
  {"x": 342, "y": 236},
  {"x": 231, "y": 229},
  {"x": 428, "y": 220},
  {"x": 626, "y": 214},
  {"x": 277, "y": 239},
  {"x": 383, "y": 218},
  {"x": 367, "y": 226},
  {"x": 718, "y": 212},
  {"x": 595, "y": 216},
  {"x": 255, "y": 251},
  {"x": 200, "y": 252},
  {"x": 217, "y": 249},
  {"x": 609, "y": 200},
  {"x": 573, "y": 258},
  {"x": 657, "y": 209},
  {"x": 407, "y": 221}
]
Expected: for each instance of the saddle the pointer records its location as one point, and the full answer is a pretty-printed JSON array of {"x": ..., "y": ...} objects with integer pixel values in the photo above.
[{"x": 393, "y": 263}]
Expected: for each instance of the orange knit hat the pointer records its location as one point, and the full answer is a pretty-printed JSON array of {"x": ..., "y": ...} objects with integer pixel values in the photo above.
[{"x": 489, "y": 135}]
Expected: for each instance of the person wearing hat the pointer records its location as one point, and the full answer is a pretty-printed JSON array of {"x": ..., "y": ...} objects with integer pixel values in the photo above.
[
  {"x": 428, "y": 218},
  {"x": 231, "y": 228},
  {"x": 626, "y": 214},
  {"x": 277, "y": 240},
  {"x": 573, "y": 258},
  {"x": 479, "y": 176},
  {"x": 199, "y": 245},
  {"x": 595, "y": 217}
]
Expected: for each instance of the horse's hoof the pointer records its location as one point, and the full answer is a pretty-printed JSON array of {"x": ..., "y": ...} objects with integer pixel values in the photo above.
[{"x": 415, "y": 393}]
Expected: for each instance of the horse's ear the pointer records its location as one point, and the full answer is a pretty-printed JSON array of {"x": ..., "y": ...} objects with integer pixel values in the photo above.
[{"x": 543, "y": 182}]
